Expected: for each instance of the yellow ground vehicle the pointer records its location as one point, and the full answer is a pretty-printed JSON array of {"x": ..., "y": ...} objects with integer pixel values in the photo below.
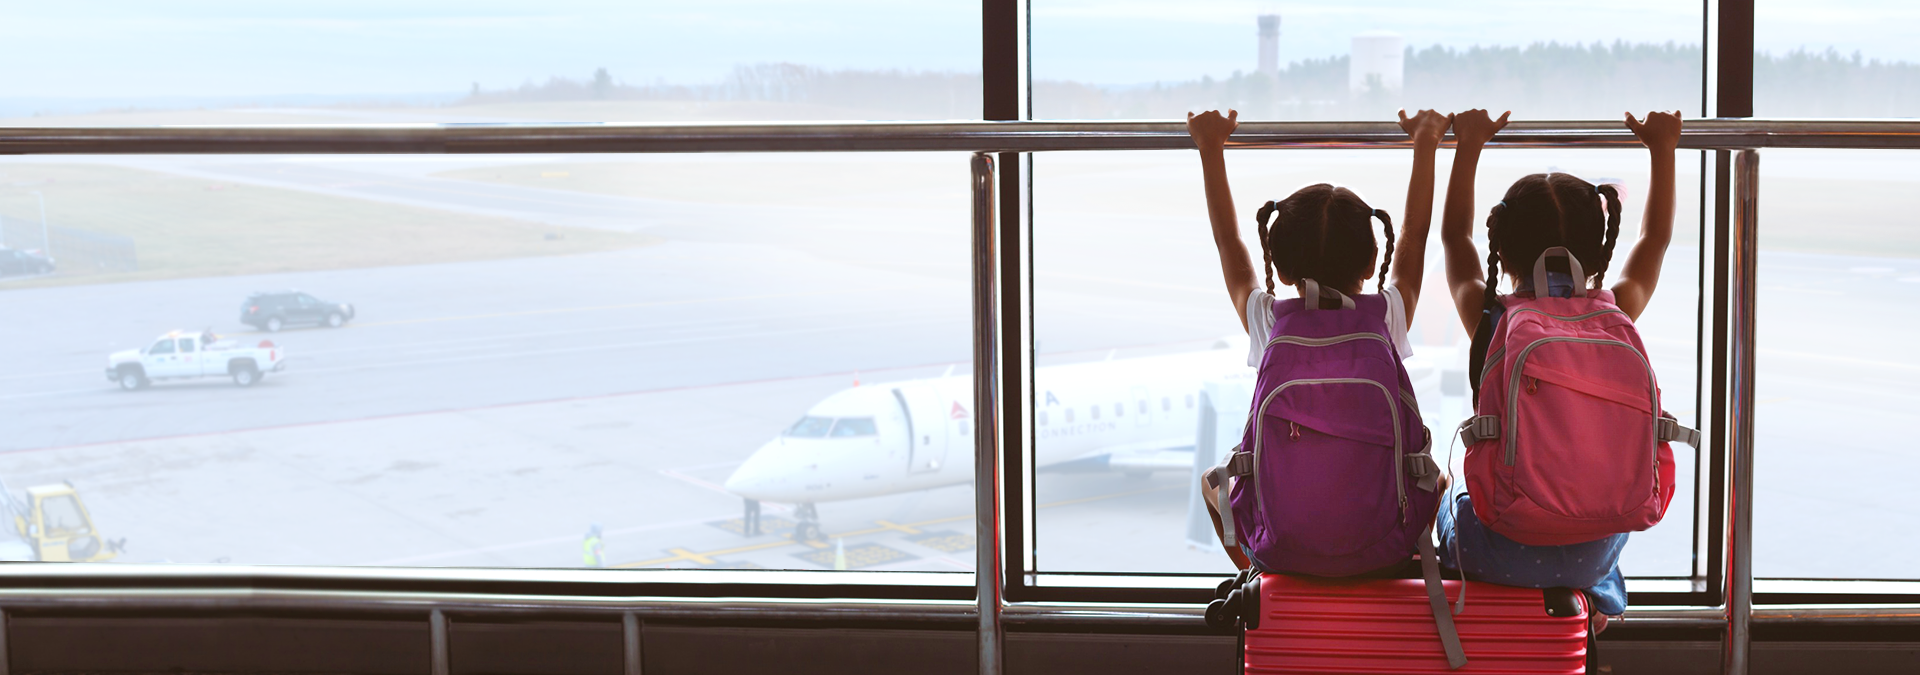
[{"x": 55, "y": 525}]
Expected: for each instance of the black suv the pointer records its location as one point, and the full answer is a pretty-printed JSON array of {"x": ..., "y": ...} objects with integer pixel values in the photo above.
[
  {"x": 270, "y": 311},
  {"x": 15, "y": 261}
]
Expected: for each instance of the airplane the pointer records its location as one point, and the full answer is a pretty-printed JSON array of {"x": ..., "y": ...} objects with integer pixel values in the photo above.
[
  {"x": 1133, "y": 416},
  {"x": 1139, "y": 414}
]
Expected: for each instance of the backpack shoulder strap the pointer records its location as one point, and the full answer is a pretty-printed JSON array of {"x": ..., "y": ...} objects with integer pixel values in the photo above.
[
  {"x": 1437, "y": 601},
  {"x": 1317, "y": 296},
  {"x": 1477, "y": 351},
  {"x": 1235, "y": 465}
]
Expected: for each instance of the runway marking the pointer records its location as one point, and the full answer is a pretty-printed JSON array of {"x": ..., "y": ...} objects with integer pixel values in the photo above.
[
  {"x": 690, "y": 480},
  {"x": 62, "y": 373},
  {"x": 705, "y": 558},
  {"x": 909, "y": 529},
  {"x": 757, "y": 336},
  {"x": 46, "y": 394},
  {"x": 690, "y": 555}
]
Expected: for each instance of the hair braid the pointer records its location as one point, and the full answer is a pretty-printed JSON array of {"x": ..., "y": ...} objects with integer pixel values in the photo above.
[
  {"x": 1493, "y": 258},
  {"x": 1612, "y": 196},
  {"x": 1266, "y": 253},
  {"x": 1386, "y": 258}
]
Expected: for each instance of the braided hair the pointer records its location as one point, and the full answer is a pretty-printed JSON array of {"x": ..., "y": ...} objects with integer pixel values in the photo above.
[
  {"x": 1546, "y": 210},
  {"x": 1542, "y": 211},
  {"x": 1324, "y": 233}
]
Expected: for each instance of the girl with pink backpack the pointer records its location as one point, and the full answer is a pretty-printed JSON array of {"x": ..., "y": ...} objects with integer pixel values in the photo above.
[
  {"x": 1333, "y": 476},
  {"x": 1568, "y": 449}
]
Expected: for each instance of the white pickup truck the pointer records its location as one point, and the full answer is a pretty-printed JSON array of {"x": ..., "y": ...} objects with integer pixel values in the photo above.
[{"x": 183, "y": 355}]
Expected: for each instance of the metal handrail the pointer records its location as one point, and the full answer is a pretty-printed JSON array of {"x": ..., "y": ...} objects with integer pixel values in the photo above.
[
  {"x": 967, "y": 136},
  {"x": 956, "y": 614}
]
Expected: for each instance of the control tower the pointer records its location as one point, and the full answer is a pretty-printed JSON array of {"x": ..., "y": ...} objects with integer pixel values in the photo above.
[{"x": 1270, "y": 45}]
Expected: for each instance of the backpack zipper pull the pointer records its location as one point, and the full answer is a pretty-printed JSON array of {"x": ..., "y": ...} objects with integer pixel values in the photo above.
[
  {"x": 1293, "y": 430},
  {"x": 1533, "y": 384}
]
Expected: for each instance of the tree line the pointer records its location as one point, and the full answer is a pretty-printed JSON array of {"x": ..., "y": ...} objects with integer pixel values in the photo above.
[{"x": 1541, "y": 80}]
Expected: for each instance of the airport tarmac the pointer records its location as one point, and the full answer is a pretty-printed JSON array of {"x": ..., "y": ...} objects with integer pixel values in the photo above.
[{"x": 485, "y": 413}]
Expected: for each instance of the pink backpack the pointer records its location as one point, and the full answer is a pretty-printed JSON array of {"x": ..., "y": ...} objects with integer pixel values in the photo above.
[{"x": 1569, "y": 443}]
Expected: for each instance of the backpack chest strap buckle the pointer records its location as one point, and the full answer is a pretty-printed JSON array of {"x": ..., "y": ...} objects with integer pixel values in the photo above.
[
  {"x": 1424, "y": 470},
  {"x": 1241, "y": 464},
  {"x": 1669, "y": 431},
  {"x": 1480, "y": 428}
]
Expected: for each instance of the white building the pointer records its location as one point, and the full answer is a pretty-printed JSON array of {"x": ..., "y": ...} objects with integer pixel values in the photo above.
[{"x": 1377, "y": 53}]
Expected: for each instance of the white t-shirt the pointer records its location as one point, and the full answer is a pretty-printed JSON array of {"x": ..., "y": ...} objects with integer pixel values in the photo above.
[{"x": 1260, "y": 323}]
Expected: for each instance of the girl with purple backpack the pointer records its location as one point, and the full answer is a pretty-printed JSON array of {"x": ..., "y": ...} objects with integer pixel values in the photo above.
[
  {"x": 1525, "y": 475},
  {"x": 1320, "y": 241}
]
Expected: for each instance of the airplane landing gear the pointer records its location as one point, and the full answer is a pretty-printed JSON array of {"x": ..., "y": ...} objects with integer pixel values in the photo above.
[
  {"x": 808, "y": 526},
  {"x": 750, "y": 522}
]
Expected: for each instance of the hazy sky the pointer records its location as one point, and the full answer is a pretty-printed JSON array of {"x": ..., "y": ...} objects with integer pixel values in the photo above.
[{"x": 120, "y": 48}]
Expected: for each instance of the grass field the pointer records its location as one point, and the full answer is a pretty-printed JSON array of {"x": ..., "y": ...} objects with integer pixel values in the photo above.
[{"x": 187, "y": 227}]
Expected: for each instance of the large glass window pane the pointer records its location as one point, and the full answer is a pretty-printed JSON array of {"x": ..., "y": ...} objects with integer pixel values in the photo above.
[
  {"x": 1839, "y": 260},
  {"x": 1362, "y": 60},
  {"x": 1848, "y": 58},
  {"x": 1130, "y": 311},
  {"x": 479, "y": 361},
  {"x": 225, "y": 62}
]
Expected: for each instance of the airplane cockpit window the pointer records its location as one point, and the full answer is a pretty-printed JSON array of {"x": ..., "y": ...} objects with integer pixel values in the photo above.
[
  {"x": 854, "y": 426},
  {"x": 811, "y": 427}
]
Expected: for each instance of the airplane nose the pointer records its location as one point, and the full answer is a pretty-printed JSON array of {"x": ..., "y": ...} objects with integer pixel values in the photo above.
[{"x": 758, "y": 477}]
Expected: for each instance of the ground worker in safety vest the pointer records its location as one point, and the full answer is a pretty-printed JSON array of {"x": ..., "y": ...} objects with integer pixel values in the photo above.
[{"x": 594, "y": 552}]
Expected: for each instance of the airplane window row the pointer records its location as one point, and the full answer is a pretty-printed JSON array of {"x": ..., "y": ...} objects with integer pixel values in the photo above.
[{"x": 1119, "y": 410}]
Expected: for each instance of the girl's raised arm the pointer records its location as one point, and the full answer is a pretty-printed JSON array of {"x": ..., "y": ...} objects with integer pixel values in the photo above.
[
  {"x": 1660, "y": 133},
  {"x": 1465, "y": 278},
  {"x": 1210, "y": 131},
  {"x": 1410, "y": 250}
]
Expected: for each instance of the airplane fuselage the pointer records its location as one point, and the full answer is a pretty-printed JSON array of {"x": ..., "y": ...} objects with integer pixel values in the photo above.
[{"x": 894, "y": 437}]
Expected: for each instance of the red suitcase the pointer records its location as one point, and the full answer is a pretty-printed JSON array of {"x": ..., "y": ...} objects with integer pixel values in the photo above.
[{"x": 1310, "y": 625}]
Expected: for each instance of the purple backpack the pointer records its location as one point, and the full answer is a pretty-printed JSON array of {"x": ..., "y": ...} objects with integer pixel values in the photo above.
[{"x": 1334, "y": 476}]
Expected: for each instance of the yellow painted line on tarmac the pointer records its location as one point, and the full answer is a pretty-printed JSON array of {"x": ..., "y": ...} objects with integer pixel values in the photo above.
[
  {"x": 685, "y": 554},
  {"x": 707, "y": 557},
  {"x": 909, "y": 529}
]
